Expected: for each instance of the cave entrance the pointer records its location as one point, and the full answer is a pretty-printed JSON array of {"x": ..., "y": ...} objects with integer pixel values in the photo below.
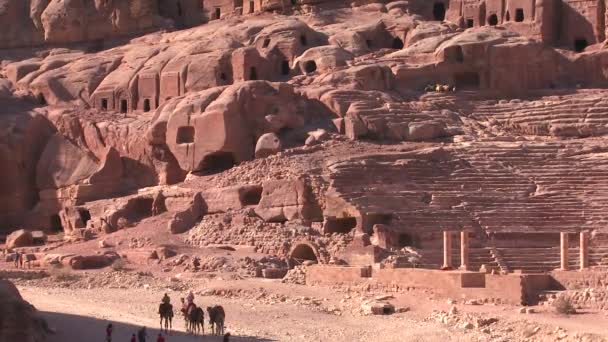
[
  {"x": 405, "y": 240},
  {"x": 508, "y": 16},
  {"x": 123, "y": 106},
  {"x": 467, "y": 80},
  {"x": 285, "y": 68},
  {"x": 493, "y": 20},
  {"x": 519, "y": 15},
  {"x": 41, "y": 100},
  {"x": 251, "y": 196},
  {"x": 251, "y": 6},
  {"x": 339, "y": 225},
  {"x": 218, "y": 13},
  {"x": 580, "y": 44},
  {"x": 439, "y": 11},
  {"x": 84, "y": 215},
  {"x": 56, "y": 226},
  {"x": 104, "y": 104},
  {"x": 302, "y": 253},
  {"x": 253, "y": 74},
  {"x": 146, "y": 105},
  {"x": 216, "y": 162},
  {"x": 303, "y": 40},
  {"x": 397, "y": 43},
  {"x": 310, "y": 67},
  {"x": 185, "y": 135},
  {"x": 470, "y": 23},
  {"x": 266, "y": 43}
]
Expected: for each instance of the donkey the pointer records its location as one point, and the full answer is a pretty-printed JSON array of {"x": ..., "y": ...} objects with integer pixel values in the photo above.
[{"x": 165, "y": 310}]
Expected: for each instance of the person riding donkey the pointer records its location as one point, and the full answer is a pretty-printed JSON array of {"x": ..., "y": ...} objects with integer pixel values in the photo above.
[{"x": 166, "y": 299}]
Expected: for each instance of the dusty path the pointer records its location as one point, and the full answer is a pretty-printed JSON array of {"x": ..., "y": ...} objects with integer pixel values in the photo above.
[{"x": 81, "y": 315}]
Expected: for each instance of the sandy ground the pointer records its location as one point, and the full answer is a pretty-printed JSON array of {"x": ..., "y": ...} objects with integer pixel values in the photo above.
[{"x": 82, "y": 314}]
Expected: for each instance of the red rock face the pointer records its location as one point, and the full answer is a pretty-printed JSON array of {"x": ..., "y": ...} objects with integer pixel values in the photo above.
[{"x": 446, "y": 114}]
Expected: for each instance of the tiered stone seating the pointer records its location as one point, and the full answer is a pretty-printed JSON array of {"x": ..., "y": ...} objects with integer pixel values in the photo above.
[{"x": 488, "y": 187}]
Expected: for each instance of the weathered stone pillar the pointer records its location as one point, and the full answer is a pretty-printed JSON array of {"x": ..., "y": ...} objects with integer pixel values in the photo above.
[
  {"x": 464, "y": 250},
  {"x": 584, "y": 250},
  {"x": 447, "y": 250},
  {"x": 564, "y": 251}
]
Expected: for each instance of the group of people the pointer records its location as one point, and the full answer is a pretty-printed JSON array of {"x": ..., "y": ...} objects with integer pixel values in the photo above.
[
  {"x": 439, "y": 88},
  {"x": 141, "y": 336}
]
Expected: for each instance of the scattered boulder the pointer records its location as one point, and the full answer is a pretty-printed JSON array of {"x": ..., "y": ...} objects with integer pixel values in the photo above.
[
  {"x": 19, "y": 238},
  {"x": 377, "y": 308},
  {"x": 267, "y": 145},
  {"x": 88, "y": 262},
  {"x": 20, "y": 320}
]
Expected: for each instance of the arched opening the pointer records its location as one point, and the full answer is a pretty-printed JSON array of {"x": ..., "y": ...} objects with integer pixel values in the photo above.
[
  {"x": 470, "y": 23},
  {"x": 216, "y": 162},
  {"x": 397, "y": 43},
  {"x": 466, "y": 80},
  {"x": 285, "y": 68},
  {"x": 493, "y": 20},
  {"x": 251, "y": 196},
  {"x": 179, "y": 9},
  {"x": 104, "y": 104},
  {"x": 41, "y": 100},
  {"x": 218, "y": 13},
  {"x": 185, "y": 135},
  {"x": 519, "y": 15},
  {"x": 508, "y": 16},
  {"x": 580, "y": 44},
  {"x": 56, "y": 226},
  {"x": 85, "y": 215},
  {"x": 303, "y": 40},
  {"x": 253, "y": 74},
  {"x": 123, "y": 106},
  {"x": 146, "y": 105},
  {"x": 302, "y": 253},
  {"x": 310, "y": 66},
  {"x": 342, "y": 225},
  {"x": 439, "y": 11}
]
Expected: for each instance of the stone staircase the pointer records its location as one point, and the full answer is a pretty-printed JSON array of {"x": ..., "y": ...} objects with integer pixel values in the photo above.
[
  {"x": 537, "y": 260},
  {"x": 433, "y": 258}
]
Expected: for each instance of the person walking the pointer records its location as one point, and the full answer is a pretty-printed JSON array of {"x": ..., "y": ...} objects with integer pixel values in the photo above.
[
  {"x": 109, "y": 329},
  {"x": 133, "y": 339},
  {"x": 142, "y": 335},
  {"x": 160, "y": 338}
]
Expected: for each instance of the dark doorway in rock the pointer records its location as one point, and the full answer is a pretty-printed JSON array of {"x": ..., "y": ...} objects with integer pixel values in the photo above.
[
  {"x": 123, "y": 106},
  {"x": 342, "y": 225},
  {"x": 508, "y": 16},
  {"x": 185, "y": 135},
  {"x": 266, "y": 43},
  {"x": 218, "y": 13},
  {"x": 223, "y": 77},
  {"x": 179, "y": 9},
  {"x": 405, "y": 240},
  {"x": 251, "y": 6},
  {"x": 251, "y": 196},
  {"x": 580, "y": 44},
  {"x": 369, "y": 43},
  {"x": 104, "y": 104},
  {"x": 310, "y": 66},
  {"x": 41, "y": 100},
  {"x": 253, "y": 74},
  {"x": 302, "y": 253},
  {"x": 303, "y": 40},
  {"x": 467, "y": 80},
  {"x": 493, "y": 20},
  {"x": 439, "y": 11},
  {"x": 216, "y": 162},
  {"x": 519, "y": 15},
  {"x": 470, "y": 23},
  {"x": 146, "y": 105},
  {"x": 84, "y": 215},
  {"x": 397, "y": 43},
  {"x": 285, "y": 68},
  {"x": 56, "y": 226}
]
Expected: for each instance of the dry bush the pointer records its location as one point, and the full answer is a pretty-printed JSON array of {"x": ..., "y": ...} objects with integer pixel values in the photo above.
[
  {"x": 119, "y": 265},
  {"x": 62, "y": 274},
  {"x": 564, "y": 306}
]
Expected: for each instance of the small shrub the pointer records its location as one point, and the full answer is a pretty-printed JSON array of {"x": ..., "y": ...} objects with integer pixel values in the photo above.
[
  {"x": 563, "y": 305},
  {"x": 62, "y": 274},
  {"x": 119, "y": 265}
]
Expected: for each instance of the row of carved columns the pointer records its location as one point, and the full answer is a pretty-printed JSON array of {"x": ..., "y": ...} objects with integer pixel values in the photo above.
[{"x": 464, "y": 251}]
